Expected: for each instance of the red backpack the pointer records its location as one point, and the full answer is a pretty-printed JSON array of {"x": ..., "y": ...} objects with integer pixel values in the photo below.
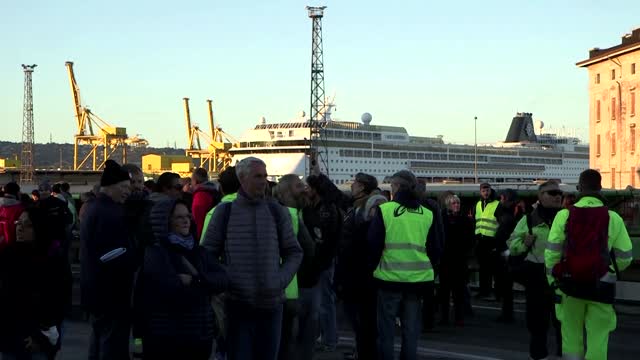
[
  {"x": 586, "y": 256},
  {"x": 8, "y": 217}
]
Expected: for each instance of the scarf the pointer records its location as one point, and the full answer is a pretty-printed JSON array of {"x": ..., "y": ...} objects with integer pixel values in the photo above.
[{"x": 186, "y": 242}]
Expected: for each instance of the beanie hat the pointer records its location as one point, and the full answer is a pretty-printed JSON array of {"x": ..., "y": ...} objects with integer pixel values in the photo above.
[
  {"x": 113, "y": 174},
  {"x": 408, "y": 177}
]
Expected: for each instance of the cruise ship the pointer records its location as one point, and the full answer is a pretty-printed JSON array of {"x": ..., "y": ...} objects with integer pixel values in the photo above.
[{"x": 526, "y": 155}]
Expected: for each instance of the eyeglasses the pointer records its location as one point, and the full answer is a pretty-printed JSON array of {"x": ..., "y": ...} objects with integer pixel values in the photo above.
[{"x": 554, "y": 192}]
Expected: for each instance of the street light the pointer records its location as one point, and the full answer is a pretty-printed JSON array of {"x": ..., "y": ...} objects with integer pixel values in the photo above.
[{"x": 475, "y": 142}]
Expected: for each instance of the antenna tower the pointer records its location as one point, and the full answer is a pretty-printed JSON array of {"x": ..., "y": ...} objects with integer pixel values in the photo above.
[
  {"x": 317, "y": 119},
  {"x": 26, "y": 168}
]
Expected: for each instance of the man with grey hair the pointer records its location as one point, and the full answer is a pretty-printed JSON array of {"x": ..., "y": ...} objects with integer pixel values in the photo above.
[
  {"x": 401, "y": 257},
  {"x": 255, "y": 239}
]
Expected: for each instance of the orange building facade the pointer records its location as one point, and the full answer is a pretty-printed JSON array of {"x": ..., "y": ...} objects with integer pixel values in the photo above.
[{"x": 614, "y": 111}]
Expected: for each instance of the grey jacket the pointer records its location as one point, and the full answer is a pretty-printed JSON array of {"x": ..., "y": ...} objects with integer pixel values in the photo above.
[{"x": 252, "y": 251}]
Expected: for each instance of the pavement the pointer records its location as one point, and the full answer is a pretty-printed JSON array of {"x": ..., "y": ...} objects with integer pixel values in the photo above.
[{"x": 481, "y": 338}]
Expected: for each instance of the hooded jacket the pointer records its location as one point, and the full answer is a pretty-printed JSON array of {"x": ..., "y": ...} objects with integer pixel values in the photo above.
[
  {"x": 205, "y": 197},
  {"x": 167, "y": 308}
]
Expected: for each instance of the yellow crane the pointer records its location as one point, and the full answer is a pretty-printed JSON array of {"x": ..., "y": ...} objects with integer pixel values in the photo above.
[
  {"x": 108, "y": 137},
  {"x": 215, "y": 157}
]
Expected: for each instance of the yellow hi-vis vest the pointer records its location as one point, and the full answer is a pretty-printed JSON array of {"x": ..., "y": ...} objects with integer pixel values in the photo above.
[
  {"x": 291, "y": 291},
  {"x": 486, "y": 222},
  {"x": 404, "y": 258}
]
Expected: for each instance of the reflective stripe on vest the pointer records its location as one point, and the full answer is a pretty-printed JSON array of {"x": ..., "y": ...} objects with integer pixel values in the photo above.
[
  {"x": 404, "y": 258},
  {"x": 291, "y": 291},
  {"x": 486, "y": 222}
]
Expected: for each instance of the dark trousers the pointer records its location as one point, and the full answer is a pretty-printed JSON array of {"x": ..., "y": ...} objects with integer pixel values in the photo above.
[
  {"x": 308, "y": 322},
  {"x": 109, "y": 336},
  {"x": 429, "y": 305},
  {"x": 252, "y": 333},
  {"x": 168, "y": 348},
  {"x": 453, "y": 282},
  {"x": 540, "y": 312},
  {"x": 363, "y": 316},
  {"x": 289, "y": 329},
  {"x": 504, "y": 285},
  {"x": 486, "y": 264}
]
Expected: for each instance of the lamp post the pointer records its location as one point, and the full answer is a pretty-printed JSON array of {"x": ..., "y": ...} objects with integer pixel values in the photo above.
[{"x": 475, "y": 146}]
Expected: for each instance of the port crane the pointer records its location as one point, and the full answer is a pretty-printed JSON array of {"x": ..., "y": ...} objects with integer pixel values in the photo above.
[
  {"x": 215, "y": 156},
  {"x": 97, "y": 133}
]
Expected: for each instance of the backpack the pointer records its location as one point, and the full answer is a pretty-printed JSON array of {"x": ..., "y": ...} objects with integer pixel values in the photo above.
[
  {"x": 8, "y": 217},
  {"x": 582, "y": 271}
]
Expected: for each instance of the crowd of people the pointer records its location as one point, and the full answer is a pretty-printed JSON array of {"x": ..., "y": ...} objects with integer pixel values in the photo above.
[{"x": 244, "y": 268}]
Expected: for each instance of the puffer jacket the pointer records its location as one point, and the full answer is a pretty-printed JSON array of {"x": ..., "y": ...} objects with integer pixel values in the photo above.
[{"x": 252, "y": 245}]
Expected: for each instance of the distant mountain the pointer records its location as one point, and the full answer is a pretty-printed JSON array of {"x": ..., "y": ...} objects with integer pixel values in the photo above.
[{"x": 54, "y": 156}]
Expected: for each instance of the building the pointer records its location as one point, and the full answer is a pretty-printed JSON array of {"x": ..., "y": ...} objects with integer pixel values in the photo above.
[
  {"x": 153, "y": 164},
  {"x": 614, "y": 85},
  {"x": 9, "y": 163}
]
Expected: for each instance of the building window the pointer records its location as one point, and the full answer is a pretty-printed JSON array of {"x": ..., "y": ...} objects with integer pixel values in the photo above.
[
  {"x": 633, "y": 68},
  {"x": 613, "y": 178},
  {"x": 597, "y": 110},
  {"x": 633, "y": 176},
  {"x": 613, "y": 144},
  {"x": 633, "y": 103},
  {"x": 613, "y": 108},
  {"x": 632, "y": 139},
  {"x": 598, "y": 145},
  {"x": 613, "y": 74},
  {"x": 597, "y": 78}
]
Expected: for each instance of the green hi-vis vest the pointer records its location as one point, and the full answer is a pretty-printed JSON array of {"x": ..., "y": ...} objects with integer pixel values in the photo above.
[
  {"x": 291, "y": 291},
  {"x": 404, "y": 258},
  {"x": 486, "y": 222}
]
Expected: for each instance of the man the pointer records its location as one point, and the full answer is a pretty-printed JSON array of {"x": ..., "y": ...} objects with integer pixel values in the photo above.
[
  {"x": 205, "y": 197},
  {"x": 10, "y": 210},
  {"x": 400, "y": 258},
  {"x": 107, "y": 266},
  {"x": 59, "y": 217},
  {"x": 291, "y": 192},
  {"x": 229, "y": 185},
  {"x": 529, "y": 239},
  {"x": 486, "y": 227},
  {"x": 588, "y": 245},
  {"x": 507, "y": 221},
  {"x": 167, "y": 187},
  {"x": 255, "y": 239},
  {"x": 324, "y": 220},
  {"x": 137, "y": 209}
]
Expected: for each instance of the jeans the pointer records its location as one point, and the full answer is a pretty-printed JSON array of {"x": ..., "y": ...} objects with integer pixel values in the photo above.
[
  {"x": 109, "y": 336},
  {"x": 408, "y": 305},
  {"x": 328, "y": 309},
  {"x": 252, "y": 333},
  {"x": 289, "y": 330},
  {"x": 308, "y": 319},
  {"x": 362, "y": 313}
]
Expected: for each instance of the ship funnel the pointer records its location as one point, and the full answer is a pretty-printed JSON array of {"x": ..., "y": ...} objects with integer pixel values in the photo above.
[{"x": 521, "y": 129}]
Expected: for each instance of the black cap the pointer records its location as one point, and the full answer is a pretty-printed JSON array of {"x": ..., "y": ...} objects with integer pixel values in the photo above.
[
  {"x": 509, "y": 194},
  {"x": 485, "y": 186},
  {"x": 113, "y": 174}
]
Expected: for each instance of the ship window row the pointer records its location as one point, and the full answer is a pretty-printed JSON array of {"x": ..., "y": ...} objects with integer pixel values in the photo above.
[
  {"x": 354, "y": 135},
  {"x": 525, "y": 160}
]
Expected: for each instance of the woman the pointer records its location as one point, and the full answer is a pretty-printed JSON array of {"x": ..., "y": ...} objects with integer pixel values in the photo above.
[
  {"x": 174, "y": 289},
  {"x": 453, "y": 272},
  {"x": 34, "y": 291}
]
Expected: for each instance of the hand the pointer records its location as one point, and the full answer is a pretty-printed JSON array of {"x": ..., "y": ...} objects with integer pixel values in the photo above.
[
  {"x": 28, "y": 343},
  {"x": 185, "y": 279},
  {"x": 529, "y": 240},
  {"x": 505, "y": 254}
]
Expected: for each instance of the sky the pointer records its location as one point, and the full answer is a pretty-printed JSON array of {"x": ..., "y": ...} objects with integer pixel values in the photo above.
[{"x": 429, "y": 66}]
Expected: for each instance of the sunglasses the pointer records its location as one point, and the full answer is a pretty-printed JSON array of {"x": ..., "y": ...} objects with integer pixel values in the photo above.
[{"x": 554, "y": 192}]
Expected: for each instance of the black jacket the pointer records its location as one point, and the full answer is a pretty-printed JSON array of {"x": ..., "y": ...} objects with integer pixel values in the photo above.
[
  {"x": 507, "y": 221},
  {"x": 324, "y": 223},
  {"x": 34, "y": 295},
  {"x": 459, "y": 232},
  {"x": 106, "y": 286}
]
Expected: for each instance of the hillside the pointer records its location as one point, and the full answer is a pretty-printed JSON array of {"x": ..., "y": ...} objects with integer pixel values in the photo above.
[{"x": 54, "y": 156}]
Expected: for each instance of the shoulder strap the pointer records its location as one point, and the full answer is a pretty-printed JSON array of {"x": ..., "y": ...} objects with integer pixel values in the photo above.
[{"x": 529, "y": 223}]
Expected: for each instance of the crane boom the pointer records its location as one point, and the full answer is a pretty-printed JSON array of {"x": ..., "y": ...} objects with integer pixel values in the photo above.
[
  {"x": 75, "y": 93},
  {"x": 211, "y": 122},
  {"x": 187, "y": 116}
]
